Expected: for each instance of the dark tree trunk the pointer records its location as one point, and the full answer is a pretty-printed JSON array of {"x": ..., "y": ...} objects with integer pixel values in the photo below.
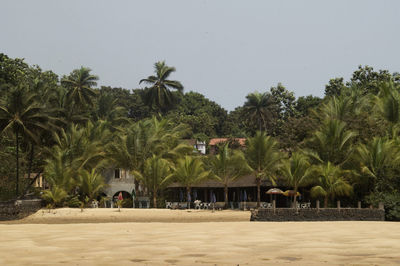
[
  {"x": 326, "y": 202},
  {"x": 17, "y": 160},
  {"x": 30, "y": 161},
  {"x": 226, "y": 195},
  {"x": 258, "y": 192},
  {"x": 30, "y": 184}
]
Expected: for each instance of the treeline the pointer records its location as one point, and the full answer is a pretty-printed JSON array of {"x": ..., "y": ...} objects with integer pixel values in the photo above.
[{"x": 343, "y": 145}]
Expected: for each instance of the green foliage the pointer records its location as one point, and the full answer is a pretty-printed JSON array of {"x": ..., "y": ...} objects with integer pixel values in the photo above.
[
  {"x": 71, "y": 131},
  {"x": 330, "y": 183},
  {"x": 391, "y": 202},
  {"x": 55, "y": 196},
  {"x": 264, "y": 158},
  {"x": 297, "y": 172},
  {"x": 90, "y": 184},
  {"x": 155, "y": 176}
]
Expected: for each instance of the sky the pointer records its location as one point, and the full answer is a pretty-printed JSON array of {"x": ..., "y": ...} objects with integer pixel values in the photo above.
[{"x": 224, "y": 49}]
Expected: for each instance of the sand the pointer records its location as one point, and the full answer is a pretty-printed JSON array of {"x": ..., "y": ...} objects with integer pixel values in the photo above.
[{"x": 194, "y": 243}]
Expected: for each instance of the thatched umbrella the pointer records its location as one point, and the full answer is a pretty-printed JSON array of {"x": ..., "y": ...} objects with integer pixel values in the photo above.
[{"x": 273, "y": 191}]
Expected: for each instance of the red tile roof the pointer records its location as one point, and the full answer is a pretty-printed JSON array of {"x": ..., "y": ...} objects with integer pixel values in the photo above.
[{"x": 214, "y": 142}]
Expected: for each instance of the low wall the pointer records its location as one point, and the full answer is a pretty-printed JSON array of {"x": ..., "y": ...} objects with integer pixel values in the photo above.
[
  {"x": 18, "y": 209},
  {"x": 328, "y": 214}
]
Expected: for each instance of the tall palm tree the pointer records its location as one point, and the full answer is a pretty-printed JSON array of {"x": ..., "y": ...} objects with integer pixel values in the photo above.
[
  {"x": 227, "y": 166},
  {"x": 264, "y": 157},
  {"x": 22, "y": 115},
  {"x": 188, "y": 172},
  {"x": 159, "y": 96},
  {"x": 297, "y": 172},
  {"x": 80, "y": 85},
  {"x": 156, "y": 171},
  {"x": 258, "y": 108},
  {"x": 331, "y": 183}
]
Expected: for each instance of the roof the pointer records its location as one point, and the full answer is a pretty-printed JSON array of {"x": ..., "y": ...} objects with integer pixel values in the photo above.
[
  {"x": 215, "y": 141},
  {"x": 245, "y": 181}
]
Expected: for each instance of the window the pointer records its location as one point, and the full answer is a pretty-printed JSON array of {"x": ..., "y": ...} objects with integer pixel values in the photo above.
[{"x": 117, "y": 173}]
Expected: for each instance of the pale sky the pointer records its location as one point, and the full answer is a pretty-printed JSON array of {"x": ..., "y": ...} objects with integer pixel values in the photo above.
[{"x": 223, "y": 49}]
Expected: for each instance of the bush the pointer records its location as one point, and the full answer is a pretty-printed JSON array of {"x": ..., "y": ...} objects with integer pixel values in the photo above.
[
  {"x": 74, "y": 202},
  {"x": 391, "y": 201},
  {"x": 127, "y": 203}
]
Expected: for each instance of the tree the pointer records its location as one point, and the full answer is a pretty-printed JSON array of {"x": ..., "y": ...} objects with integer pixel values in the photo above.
[
  {"x": 297, "y": 172},
  {"x": 22, "y": 115},
  {"x": 388, "y": 106},
  {"x": 55, "y": 195},
  {"x": 90, "y": 184},
  {"x": 147, "y": 138},
  {"x": 258, "y": 107},
  {"x": 159, "y": 96},
  {"x": 79, "y": 84},
  {"x": 227, "y": 166},
  {"x": 378, "y": 159},
  {"x": 305, "y": 103},
  {"x": 155, "y": 175},
  {"x": 263, "y": 156},
  {"x": 368, "y": 81},
  {"x": 332, "y": 142},
  {"x": 331, "y": 183},
  {"x": 188, "y": 171},
  {"x": 334, "y": 87}
]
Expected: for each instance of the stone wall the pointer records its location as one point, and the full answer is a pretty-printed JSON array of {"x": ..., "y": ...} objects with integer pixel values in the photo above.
[
  {"x": 328, "y": 214},
  {"x": 18, "y": 209}
]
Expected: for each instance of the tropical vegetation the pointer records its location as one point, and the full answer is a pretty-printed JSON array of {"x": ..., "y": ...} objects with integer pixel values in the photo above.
[{"x": 345, "y": 145}]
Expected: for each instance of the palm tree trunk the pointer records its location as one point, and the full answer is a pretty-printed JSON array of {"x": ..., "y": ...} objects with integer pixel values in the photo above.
[
  {"x": 294, "y": 200},
  {"x": 226, "y": 195},
  {"x": 326, "y": 202},
  {"x": 188, "y": 193},
  {"x": 154, "y": 199},
  {"x": 17, "y": 161},
  {"x": 258, "y": 192}
]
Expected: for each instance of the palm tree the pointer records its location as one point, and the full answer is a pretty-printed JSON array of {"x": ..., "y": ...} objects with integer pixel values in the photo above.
[
  {"x": 59, "y": 171},
  {"x": 258, "y": 107},
  {"x": 188, "y": 172},
  {"x": 227, "y": 166},
  {"x": 159, "y": 96},
  {"x": 79, "y": 84},
  {"x": 331, "y": 183},
  {"x": 297, "y": 172},
  {"x": 107, "y": 109},
  {"x": 377, "y": 159},
  {"x": 388, "y": 106},
  {"x": 263, "y": 156},
  {"x": 23, "y": 116},
  {"x": 147, "y": 138},
  {"x": 91, "y": 184},
  {"x": 155, "y": 175},
  {"x": 55, "y": 195},
  {"x": 332, "y": 142}
]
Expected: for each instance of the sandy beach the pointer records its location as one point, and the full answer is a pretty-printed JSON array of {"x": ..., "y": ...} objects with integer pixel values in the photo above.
[{"x": 166, "y": 237}]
